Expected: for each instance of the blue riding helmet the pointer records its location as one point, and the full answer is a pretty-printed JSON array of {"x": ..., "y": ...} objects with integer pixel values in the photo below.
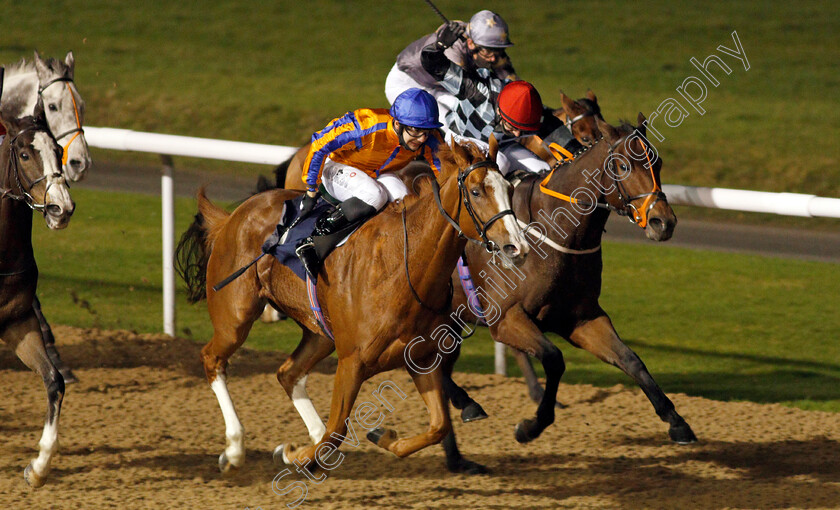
[{"x": 416, "y": 108}]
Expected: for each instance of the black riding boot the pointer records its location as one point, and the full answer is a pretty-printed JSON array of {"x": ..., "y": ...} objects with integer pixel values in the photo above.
[{"x": 330, "y": 229}]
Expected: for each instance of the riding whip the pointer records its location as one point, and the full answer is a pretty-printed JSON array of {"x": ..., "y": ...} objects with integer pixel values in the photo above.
[{"x": 437, "y": 11}]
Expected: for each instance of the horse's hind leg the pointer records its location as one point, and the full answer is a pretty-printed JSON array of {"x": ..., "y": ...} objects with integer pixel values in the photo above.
[
  {"x": 516, "y": 330},
  {"x": 430, "y": 386},
  {"x": 600, "y": 338},
  {"x": 30, "y": 350},
  {"x": 232, "y": 320},
  {"x": 49, "y": 344},
  {"x": 292, "y": 376}
]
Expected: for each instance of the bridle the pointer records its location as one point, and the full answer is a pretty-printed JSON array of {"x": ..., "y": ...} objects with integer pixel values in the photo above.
[
  {"x": 78, "y": 130},
  {"x": 23, "y": 184},
  {"x": 637, "y": 215},
  {"x": 480, "y": 227}
]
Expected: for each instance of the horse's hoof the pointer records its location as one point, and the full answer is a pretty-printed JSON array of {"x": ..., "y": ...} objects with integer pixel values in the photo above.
[
  {"x": 32, "y": 478},
  {"x": 68, "y": 375},
  {"x": 375, "y": 435},
  {"x": 682, "y": 434},
  {"x": 472, "y": 412},
  {"x": 525, "y": 431},
  {"x": 467, "y": 467},
  {"x": 280, "y": 457},
  {"x": 225, "y": 466}
]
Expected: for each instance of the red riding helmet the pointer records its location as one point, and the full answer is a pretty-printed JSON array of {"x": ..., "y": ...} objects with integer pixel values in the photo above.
[{"x": 521, "y": 106}]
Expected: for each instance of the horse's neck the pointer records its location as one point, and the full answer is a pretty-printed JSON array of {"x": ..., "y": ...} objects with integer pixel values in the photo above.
[
  {"x": 436, "y": 244},
  {"x": 20, "y": 94},
  {"x": 15, "y": 220},
  {"x": 582, "y": 225}
]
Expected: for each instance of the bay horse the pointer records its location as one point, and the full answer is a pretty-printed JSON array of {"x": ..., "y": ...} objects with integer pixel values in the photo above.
[
  {"x": 32, "y": 179},
  {"x": 50, "y": 81},
  {"x": 380, "y": 292},
  {"x": 557, "y": 288}
]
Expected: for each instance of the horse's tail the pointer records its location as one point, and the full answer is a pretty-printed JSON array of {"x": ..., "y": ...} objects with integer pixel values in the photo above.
[{"x": 196, "y": 244}]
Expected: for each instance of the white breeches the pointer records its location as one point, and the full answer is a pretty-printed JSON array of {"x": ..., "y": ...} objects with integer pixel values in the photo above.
[
  {"x": 343, "y": 182},
  {"x": 514, "y": 157}
]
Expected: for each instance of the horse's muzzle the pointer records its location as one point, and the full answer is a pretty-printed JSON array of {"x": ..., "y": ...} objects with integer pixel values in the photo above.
[
  {"x": 57, "y": 217},
  {"x": 660, "y": 229}
]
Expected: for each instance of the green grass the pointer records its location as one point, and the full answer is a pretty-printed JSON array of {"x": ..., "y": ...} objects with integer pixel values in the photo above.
[
  {"x": 275, "y": 71},
  {"x": 723, "y": 326}
]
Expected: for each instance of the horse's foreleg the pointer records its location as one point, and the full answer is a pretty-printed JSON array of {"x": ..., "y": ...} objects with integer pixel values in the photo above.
[
  {"x": 30, "y": 350},
  {"x": 292, "y": 376},
  {"x": 516, "y": 330},
  {"x": 470, "y": 409},
  {"x": 600, "y": 338},
  {"x": 49, "y": 344},
  {"x": 430, "y": 386},
  {"x": 348, "y": 380}
]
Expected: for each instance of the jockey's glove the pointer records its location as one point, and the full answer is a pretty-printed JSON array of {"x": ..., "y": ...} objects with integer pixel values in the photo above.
[
  {"x": 449, "y": 34},
  {"x": 307, "y": 204}
]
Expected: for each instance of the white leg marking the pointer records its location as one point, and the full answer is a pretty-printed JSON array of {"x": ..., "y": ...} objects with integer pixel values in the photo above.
[
  {"x": 48, "y": 445},
  {"x": 314, "y": 423},
  {"x": 234, "y": 434}
]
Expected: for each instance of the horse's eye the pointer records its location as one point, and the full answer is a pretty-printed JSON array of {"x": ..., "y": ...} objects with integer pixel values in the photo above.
[
  {"x": 475, "y": 192},
  {"x": 53, "y": 107},
  {"x": 24, "y": 156},
  {"x": 586, "y": 139},
  {"x": 624, "y": 167}
]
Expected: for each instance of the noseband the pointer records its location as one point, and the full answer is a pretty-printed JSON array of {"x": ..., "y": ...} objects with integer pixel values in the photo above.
[
  {"x": 480, "y": 227},
  {"x": 22, "y": 183},
  {"x": 78, "y": 129},
  {"x": 639, "y": 216}
]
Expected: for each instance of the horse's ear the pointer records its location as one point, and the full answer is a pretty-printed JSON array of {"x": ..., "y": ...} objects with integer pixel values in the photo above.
[
  {"x": 640, "y": 122},
  {"x": 38, "y": 111},
  {"x": 568, "y": 103},
  {"x": 70, "y": 62},
  {"x": 610, "y": 133},
  {"x": 591, "y": 96},
  {"x": 41, "y": 67},
  {"x": 493, "y": 147},
  {"x": 462, "y": 155}
]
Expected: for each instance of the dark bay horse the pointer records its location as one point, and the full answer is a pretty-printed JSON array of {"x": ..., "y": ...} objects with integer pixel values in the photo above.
[
  {"x": 558, "y": 287},
  {"x": 365, "y": 292},
  {"x": 32, "y": 179}
]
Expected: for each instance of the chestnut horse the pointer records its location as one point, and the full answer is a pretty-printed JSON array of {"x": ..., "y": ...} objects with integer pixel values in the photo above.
[
  {"x": 32, "y": 179},
  {"x": 558, "y": 287},
  {"x": 380, "y": 292}
]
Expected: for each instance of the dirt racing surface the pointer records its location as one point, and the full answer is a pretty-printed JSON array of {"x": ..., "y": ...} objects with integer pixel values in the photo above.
[{"x": 142, "y": 429}]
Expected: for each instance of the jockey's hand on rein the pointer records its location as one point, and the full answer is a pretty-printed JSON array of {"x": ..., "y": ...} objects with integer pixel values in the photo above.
[
  {"x": 449, "y": 34},
  {"x": 308, "y": 203}
]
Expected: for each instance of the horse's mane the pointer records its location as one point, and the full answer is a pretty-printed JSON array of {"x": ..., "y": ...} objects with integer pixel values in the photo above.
[
  {"x": 26, "y": 66},
  {"x": 449, "y": 167},
  {"x": 21, "y": 67}
]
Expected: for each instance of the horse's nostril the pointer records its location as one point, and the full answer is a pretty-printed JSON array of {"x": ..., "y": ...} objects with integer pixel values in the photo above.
[
  {"x": 657, "y": 224},
  {"x": 76, "y": 163},
  {"x": 511, "y": 250},
  {"x": 54, "y": 210}
]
